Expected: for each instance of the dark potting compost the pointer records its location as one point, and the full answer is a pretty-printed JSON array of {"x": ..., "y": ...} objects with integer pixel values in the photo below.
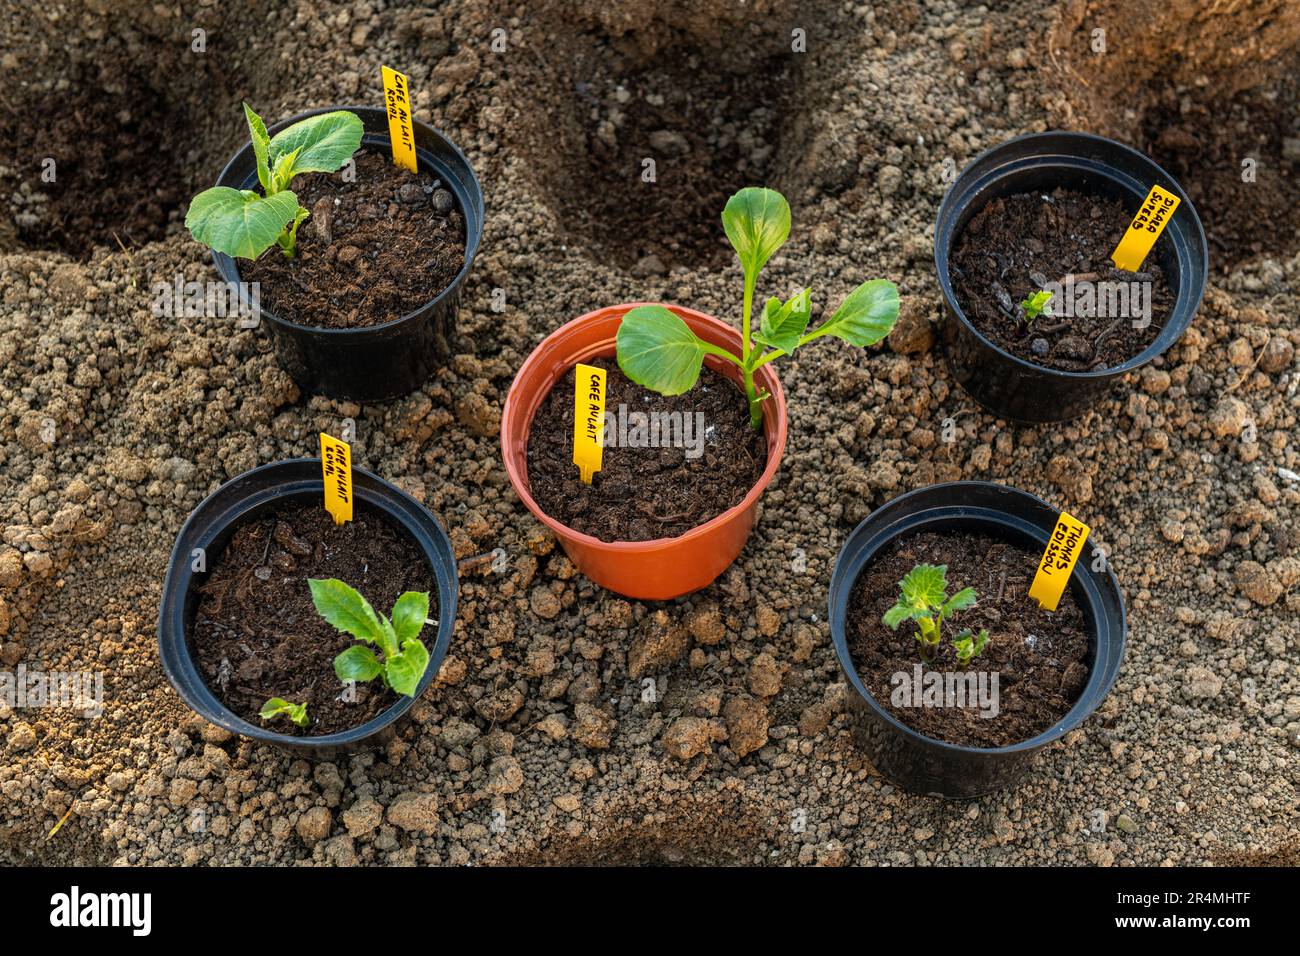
[
  {"x": 371, "y": 251},
  {"x": 643, "y": 493},
  {"x": 1040, "y": 657},
  {"x": 1017, "y": 245},
  {"x": 257, "y": 635}
]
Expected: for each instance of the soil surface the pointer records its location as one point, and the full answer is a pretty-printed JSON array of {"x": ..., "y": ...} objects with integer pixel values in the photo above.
[
  {"x": 1257, "y": 145},
  {"x": 371, "y": 251},
  {"x": 73, "y": 195},
  {"x": 1040, "y": 657},
  {"x": 644, "y": 492},
  {"x": 116, "y": 422},
  {"x": 257, "y": 635},
  {"x": 1016, "y": 245}
]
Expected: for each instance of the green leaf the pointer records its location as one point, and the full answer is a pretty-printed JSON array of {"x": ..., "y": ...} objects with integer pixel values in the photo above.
[
  {"x": 257, "y": 132},
  {"x": 896, "y": 615},
  {"x": 288, "y": 239},
  {"x": 405, "y": 669},
  {"x": 924, "y": 585},
  {"x": 757, "y": 222},
  {"x": 409, "y": 614},
  {"x": 657, "y": 350},
  {"x": 278, "y": 705},
  {"x": 959, "y": 601},
  {"x": 284, "y": 171},
  {"x": 343, "y": 607},
  {"x": 239, "y": 222},
  {"x": 866, "y": 316},
  {"x": 323, "y": 142},
  {"x": 358, "y": 663},
  {"x": 388, "y": 642},
  {"x": 782, "y": 325},
  {"x": 1035, "y": 304},
  {"x": 968, "y": 645}
]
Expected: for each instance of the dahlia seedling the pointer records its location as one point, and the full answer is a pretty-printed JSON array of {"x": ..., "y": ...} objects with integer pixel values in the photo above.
[{"x": 923, "y": 598}]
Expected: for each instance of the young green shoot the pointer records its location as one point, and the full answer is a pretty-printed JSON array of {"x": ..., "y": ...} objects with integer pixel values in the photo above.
[
  {"x": 1033, "y": 306},
  {"x": 278, "y": 706},
  {"x": 968, "y": 644},
  {"x": 405, "y": 658},
  {"x": 657, "y": 350},
  {"x": 242, "y": 224},
  {"x": 923, "y": 598}
]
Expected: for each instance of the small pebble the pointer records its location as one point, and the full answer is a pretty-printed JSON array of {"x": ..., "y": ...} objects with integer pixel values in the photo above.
[{"x": 411, "y": 194}]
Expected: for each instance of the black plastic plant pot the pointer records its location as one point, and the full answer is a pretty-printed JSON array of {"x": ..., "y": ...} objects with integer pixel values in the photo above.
[
  {"x": 922, "y": 764},
  {"x": 211, "y": 526},
  {"x": 1012, "y": 387},
  {"x": 380, "y": 362}
]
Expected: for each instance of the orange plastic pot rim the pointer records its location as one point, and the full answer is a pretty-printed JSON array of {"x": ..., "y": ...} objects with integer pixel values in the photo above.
[{"x": 518, "y": 477}]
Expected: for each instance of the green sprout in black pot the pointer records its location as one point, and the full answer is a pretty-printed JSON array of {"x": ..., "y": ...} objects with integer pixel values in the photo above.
[
  {"x": 405, "y": 658},
  {"x": 242, "y": 224},
  {"x": 279, "y": 707},
  {"x": 1032, "y": 307},
  {"x": 923, "y": 598},
  {"x": 657, "y": 350}
]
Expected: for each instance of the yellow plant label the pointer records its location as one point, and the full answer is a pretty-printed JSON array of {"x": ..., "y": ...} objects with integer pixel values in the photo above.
[
  {"x": 397, "y": 99},
  {"x": 588, "y": 420},
  {"x": 336, "y": 463},
  {"x": 1058, "y": 561},
  {"x": 1156, "y": 211}
]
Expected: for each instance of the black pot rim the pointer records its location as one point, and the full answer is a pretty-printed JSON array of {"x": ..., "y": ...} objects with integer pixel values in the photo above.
[
  {"x": 227, "y": 266},
  {"x": 945, "y": 281},
  {"x": 1089, "y": 698},
  {"x": 171, "y": 609}
]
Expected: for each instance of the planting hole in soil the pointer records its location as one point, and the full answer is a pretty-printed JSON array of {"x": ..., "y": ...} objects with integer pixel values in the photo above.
[
  {"x": 637, "y": 162},
  {"x": 1239, "y": 159},
  {"x": 91, "y": 171},
  {"x": 1098, "y": 315},
  {"x": 1039, "y": 657},
  {"x": 670, "y": 463},
  {"x": 257, "y": 635},
  {"x": 373, "y": 249}
]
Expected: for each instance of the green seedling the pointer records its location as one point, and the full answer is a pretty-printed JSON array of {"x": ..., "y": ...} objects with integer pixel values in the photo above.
[
  {"x": 923, "y": 598},
  {"x": 1033, "y": 306},
  {"x": 404, "y": 657},
  {"x": 657, "y": 350},
  {"x": 278, "y": 705},
  {"x": 968, "y": 644},
  {"x": 243, "y": 224}
]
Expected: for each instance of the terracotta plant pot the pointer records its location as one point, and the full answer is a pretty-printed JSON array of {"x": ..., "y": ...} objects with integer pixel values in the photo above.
[{"x": 648, "y": 570}]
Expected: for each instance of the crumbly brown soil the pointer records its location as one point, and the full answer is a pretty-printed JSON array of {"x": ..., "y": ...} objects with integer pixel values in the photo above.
[
  {"x": 1210, "y": 96},
  {"x": 538, "y": 711},
  {"x": 1258, "y": 128},
  {"x": 372, "y": 250},
  {"x": 645, "y": 493},
  {"x": 256, "y": 633},
  {"x": 1040, "y": 656},
  {"x": 1016, "y": 244},
  {"x": 72, "y": 196}
]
